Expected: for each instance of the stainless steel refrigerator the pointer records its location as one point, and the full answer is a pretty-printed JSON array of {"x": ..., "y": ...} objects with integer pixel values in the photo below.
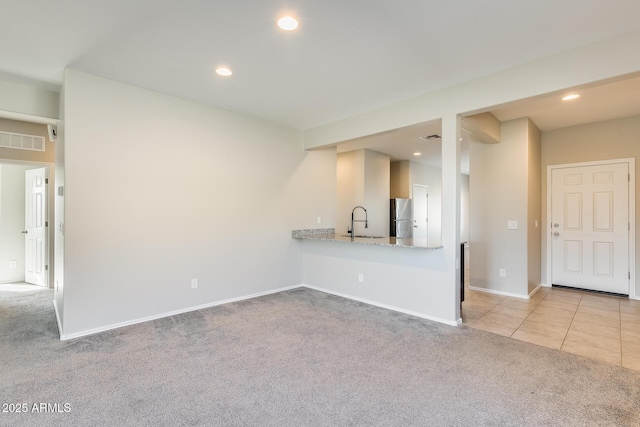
[{"x": 401, "y": 224}]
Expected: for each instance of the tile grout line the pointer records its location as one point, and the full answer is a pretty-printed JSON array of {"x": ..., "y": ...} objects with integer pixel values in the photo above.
[
  {"x": 571, "y": 323},
  {"x": 528, "y": 314},
  {"x": 488, "y": 311}
]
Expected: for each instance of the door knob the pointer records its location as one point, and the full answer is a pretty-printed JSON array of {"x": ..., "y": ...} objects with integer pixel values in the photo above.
[
  {"x": 556, "y": 225},
  {"x": 25, "y": 232},
  {"x": 556, "y": 234}
]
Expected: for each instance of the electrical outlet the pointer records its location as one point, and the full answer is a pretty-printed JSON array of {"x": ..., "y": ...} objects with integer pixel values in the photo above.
[
  {"x": 503, "y": 272},
  {"x": 319, "y": 220},
  {"x": 194, "y": 283},
  {"x": 13, "y": 263},
  {"x": 361, "y": 277}
]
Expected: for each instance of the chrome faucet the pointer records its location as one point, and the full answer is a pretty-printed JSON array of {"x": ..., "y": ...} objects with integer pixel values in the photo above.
[{"x": 366, "y": 220}]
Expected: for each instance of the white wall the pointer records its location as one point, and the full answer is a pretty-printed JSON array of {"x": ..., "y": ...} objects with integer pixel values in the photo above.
[
  {"x": 160, "y": 190},
  {"x": 498, "y": 188},
  {"x": 363, "y": 179},
  {"x": 12, "y": 221},
  {"x": 20, "y": 102},
  {"x": 376, "y": 192},
  {"x": 405, "y": 279},
  {"x": 614, "y": 139}
]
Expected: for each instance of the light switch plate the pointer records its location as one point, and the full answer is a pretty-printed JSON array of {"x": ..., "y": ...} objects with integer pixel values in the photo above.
[{"x": 512, "y": 224}]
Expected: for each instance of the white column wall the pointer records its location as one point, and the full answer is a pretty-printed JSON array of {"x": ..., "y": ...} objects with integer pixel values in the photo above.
[
  {"x": 451, "y": 212},
  {"x": 498, "y": 188}
]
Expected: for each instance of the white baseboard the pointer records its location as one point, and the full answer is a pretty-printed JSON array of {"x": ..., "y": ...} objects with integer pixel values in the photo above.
[
  {"x": 506, "y": 294},
  {"x": 386, "y": 306},
  {"x": 65, "y": 337}
]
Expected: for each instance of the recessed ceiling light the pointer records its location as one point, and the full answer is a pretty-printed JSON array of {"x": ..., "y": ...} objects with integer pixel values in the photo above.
[
  {"x": 570, "y": 97},
  {"x": 417, "y": 153},
  {"x": 287, "y": 23},
  {"x": 223, "y": 71}
]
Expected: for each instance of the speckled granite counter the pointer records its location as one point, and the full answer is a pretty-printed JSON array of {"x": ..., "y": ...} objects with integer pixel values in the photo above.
[{"x": 328, "y": 234}]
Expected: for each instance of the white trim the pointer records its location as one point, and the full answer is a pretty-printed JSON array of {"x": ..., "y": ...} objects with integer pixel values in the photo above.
[
  {"x": 506, "y": 294},
  {"x": 64, "y": 337},
  {"x": 22, "y": 117},
  {"x": 632, "y": 216},
  {"x": 387, "y": 307}
]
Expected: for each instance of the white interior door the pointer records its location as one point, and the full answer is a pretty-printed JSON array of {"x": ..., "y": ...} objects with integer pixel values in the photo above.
[
  {"x": 420, "y": 211},
  {"x": 35, "y": 230},
  {"x": 590, "y": 227}
]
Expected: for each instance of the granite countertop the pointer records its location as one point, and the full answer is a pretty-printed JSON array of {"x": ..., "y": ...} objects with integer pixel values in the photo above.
[{"x": 328, "y": 234}]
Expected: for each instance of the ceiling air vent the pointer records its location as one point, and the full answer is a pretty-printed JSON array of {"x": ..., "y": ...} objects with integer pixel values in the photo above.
[
  {"x": 430, "y": 137},
  {"x": 19, "y": 141}
]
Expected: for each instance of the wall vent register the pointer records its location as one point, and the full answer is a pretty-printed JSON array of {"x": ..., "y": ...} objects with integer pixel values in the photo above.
[{"x": 20, "y": 141}]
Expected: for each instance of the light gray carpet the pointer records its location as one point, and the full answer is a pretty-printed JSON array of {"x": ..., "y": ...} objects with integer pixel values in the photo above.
[{"x": 298, "y": 358}]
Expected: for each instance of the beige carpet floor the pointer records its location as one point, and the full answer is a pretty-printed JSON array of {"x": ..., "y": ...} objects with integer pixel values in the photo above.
[{"x": 297, "y": 358}]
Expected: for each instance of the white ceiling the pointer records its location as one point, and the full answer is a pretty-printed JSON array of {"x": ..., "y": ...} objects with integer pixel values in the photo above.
[
  {"x": 603, "y": 101},
  {"x": 347, "y": 57},
  {"x": 597, "y": 103},
  {"x": 402, "y": 144}
]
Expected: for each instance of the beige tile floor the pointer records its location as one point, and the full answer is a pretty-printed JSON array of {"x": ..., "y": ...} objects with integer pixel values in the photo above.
[{"x": 597, "y": 326}]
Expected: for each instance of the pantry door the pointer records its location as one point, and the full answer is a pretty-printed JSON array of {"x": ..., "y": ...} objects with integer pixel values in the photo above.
[
  {"x": 590, "y": 227},
  {"x": 35, "y": 226}
]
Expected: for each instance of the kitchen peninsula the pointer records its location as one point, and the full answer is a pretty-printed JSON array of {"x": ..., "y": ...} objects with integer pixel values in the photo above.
[
  {"x": 328, "y": 234},
  {"x": 399, "y": 274}
]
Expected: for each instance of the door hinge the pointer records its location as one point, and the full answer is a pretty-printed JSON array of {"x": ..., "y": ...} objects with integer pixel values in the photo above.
[
  {"x": 628, "y": 177},
  {"x": 46, "y": 180},
  {"x": 46, "y": 223},
  {"x": 629, "y": 275},
  {"x": 46, "y": 267}
]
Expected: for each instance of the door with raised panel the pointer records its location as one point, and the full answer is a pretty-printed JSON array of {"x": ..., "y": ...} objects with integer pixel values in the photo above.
[
  {"x": 590, "y": 227},
  {"x": 35, "y": 226}
]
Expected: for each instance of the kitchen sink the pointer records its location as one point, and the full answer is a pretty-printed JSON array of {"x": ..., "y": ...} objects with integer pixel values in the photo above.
[{"x": 363, "y": 237}]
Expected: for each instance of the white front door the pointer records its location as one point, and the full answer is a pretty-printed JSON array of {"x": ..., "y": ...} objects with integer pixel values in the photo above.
[
  {"x": 590, "y": 227},
  {"x": 420, "y": 211},
  {"x": 35, "y": 230}
]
